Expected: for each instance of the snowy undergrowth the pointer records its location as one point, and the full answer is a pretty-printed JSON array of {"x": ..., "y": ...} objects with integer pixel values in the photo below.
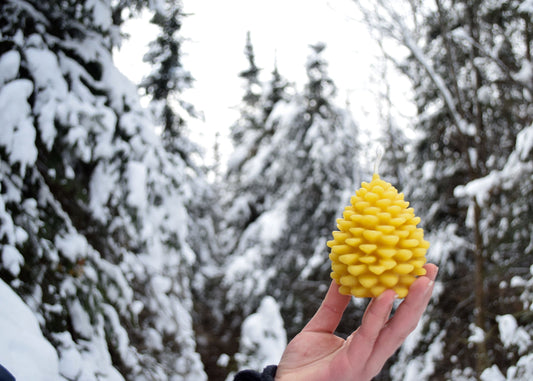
[{"x": 263, "y": 337}]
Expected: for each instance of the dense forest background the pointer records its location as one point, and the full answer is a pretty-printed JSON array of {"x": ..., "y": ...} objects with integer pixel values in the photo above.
[{"x": 124, "y": 258}]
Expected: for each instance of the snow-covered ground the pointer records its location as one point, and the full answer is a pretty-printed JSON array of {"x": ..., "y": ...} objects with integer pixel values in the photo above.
[{"x": 23, "y": 349}]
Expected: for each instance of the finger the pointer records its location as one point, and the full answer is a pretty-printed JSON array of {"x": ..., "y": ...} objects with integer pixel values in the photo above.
[
  {"x": 405, "y": 319},
  {"x": 431, "y": 271},
  {"x": 329, "y": 314},
  {"x": 374, "y": 319}
]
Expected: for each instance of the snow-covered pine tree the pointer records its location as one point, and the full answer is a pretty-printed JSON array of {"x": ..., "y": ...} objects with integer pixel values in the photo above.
[
  {"x": 470, "y": 66},
  {"x": 249, "y": 119},
  {"x": 248, "y": 134},
  {"x": 319, "y": 141},
  {"x": 275, "y": 90},
  {"x": 169, "y": 79},
  {"x": 95, "y": 231},
  {"x": 242, "y": 201},
  {"x": 306, "y": 171}
]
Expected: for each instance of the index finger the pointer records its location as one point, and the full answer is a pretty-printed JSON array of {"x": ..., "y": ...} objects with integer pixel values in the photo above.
[{"x": 328, "y": 316}]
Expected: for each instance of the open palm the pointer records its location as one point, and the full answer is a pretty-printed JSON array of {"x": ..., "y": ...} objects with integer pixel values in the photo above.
[{"x": 317, "y": 354}]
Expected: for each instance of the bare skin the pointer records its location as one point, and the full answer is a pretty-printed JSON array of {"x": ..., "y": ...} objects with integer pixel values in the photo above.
[{"x": 316, "y": 354}]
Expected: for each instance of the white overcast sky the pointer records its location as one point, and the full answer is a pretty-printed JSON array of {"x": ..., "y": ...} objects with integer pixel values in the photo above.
[{"x": 214, "y": 52}]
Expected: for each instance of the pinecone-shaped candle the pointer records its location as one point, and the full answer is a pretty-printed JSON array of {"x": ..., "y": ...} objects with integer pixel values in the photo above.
[{"x": 378, "y": 245}]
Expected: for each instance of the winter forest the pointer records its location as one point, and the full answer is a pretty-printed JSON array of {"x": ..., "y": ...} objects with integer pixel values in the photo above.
[{"x": 123, "y": 256}]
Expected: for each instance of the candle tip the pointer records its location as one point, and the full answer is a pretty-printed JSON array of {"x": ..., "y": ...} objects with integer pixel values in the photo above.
[{"x": 379, "y": 155}]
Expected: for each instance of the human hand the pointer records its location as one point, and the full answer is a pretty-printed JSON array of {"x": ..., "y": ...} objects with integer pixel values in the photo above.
[{"x": 316, "y": 354}]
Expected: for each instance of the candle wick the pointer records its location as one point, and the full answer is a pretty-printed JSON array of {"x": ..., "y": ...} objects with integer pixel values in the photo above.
[{"x": 379, "y": 155}]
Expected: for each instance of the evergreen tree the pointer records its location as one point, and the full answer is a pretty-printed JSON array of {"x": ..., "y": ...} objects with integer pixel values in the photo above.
[
  {"x": 249, "y": 133},
  {"x": 249, "y": 119},
  {"x": 169, "y": 78},
  {"x": 96, "y": 233},
  {"x": 276, "y": 90},
  {"x": 306, "y": 171},
  {"x": 242, "y": 201},
  {"x": 470, "y": 67},
  {"x": 320, "y": 88}
]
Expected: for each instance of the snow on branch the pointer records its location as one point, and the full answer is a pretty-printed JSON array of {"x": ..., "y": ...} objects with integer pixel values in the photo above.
[{"x": 516, "y": 167}]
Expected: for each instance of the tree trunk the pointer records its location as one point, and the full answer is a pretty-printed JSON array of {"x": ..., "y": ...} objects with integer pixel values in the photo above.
[{"x": 482, "y": 359}]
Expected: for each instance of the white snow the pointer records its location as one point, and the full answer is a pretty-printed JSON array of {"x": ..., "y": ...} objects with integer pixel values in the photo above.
[
  {"x": 272, "y": 223},
  {"x": 526, "y": 6},
  {"x": 73, "y": 246},
  {"x": 478, "y": 335},
  {"x": 69, "y": 362},
  {"x": 223, "y": 360},
  {"x": 523, "y": 370},
  {"x": 513, "y": 170},
  {"x": 90, "y": 362},
  {"x": 485, "y": 94},
  {"x": 101, "y": 187},
  {"x": 23, "y": 349},
  {"x": 101, "y": 13},
  {"x": 524, "y": 142},
  {"x": 423, "y": 367},
  {"x": 9, "y": 66},
  {"x": 254, "y": 245},
  {"x": 120, "y": 336},
  {"x": 17, "y": 134},
  {"x": 513, "y": 334},
  {"x": 48, "y": 79},
  {"x": 492, "y": 374},
  {"x": 525, "y": 75},
  {"x": 470, "y": 219},
  {"x": 263, "y": 338},
  {"x": 137, "y": 184},
  {"x": 46, "y": 121},
  {"x": 12, "y": 259},
  {"x": 80, "y": 319},
  {"x": 428, "y": 169},
  {"x": 161, "y": 284}
]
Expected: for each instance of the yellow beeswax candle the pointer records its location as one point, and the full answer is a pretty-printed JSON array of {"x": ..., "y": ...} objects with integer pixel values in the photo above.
[{"x": 378, "y": 245}]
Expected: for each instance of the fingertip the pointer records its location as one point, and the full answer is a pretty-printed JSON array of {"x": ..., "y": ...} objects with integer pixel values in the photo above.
[
  {"x": 420, "y": 292},
  {"x": 431, "y": 271},
  {"x": 333, "y": 292},
  {"x": 334, "y": 286},
  {"x": 422, "y": 283},
  {"x": 385, "y": 301}
]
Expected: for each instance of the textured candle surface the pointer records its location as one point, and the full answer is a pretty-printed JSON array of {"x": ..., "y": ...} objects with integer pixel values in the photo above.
[{"x": 378, "y": 245}]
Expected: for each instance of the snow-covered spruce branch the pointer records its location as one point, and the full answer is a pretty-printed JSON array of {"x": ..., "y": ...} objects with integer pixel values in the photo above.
[
  {"x": 460, "y": 36},
  {"x": 513, "y": 172}
]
